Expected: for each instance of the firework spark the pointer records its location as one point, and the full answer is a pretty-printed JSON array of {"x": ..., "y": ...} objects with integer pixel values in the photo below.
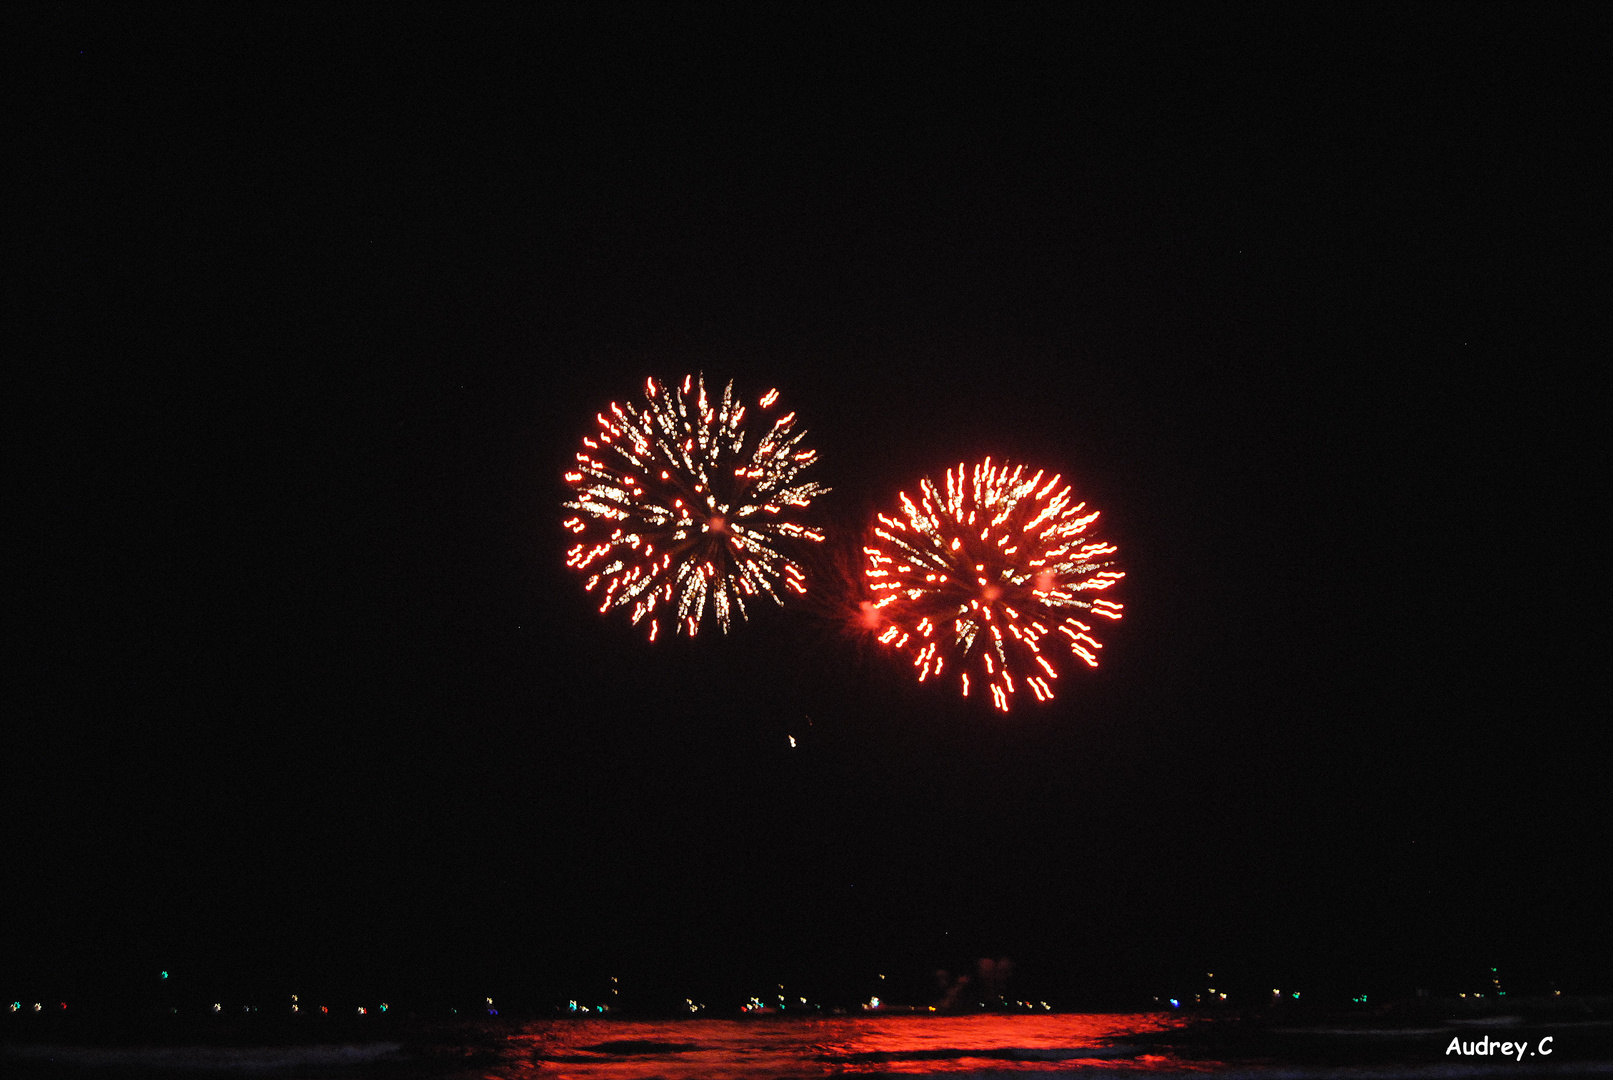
[
  {"x": 673, "y": 508},
  {"x": 981, "y": 581}
]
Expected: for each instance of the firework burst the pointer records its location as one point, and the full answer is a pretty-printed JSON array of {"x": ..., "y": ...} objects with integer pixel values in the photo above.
[
  {"x": 983, "y": 580},
  {"x": 673, "y": 507}
]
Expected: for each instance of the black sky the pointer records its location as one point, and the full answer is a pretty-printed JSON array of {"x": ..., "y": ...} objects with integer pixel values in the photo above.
[{"x": 314, "y": 310}]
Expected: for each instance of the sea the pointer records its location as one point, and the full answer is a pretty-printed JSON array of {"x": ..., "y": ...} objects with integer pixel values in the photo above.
[{"x": 973, "y": 1046}]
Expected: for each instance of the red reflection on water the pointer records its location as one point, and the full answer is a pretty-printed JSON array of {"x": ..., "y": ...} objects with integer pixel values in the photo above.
[{"x": 831, "y": 1046}]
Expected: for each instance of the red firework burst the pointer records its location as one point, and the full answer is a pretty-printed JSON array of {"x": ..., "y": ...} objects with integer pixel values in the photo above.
[
  {"x": 984, "y": 578},
  {"x": 673, "y": 506}
]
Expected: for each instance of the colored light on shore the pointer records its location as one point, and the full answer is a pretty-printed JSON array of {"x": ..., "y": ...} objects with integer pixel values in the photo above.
[
  {"x": 989, "y": 576},
  {"x": 671, "y": 506}
]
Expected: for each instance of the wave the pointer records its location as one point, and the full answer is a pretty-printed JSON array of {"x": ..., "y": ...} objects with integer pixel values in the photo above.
[
  {"x": 1005, "y": 1053},
  {"x": 640, "y": 1046}
]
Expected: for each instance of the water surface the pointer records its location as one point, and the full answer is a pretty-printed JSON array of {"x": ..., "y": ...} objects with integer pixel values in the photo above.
[{"x": 771, "y": 1049}]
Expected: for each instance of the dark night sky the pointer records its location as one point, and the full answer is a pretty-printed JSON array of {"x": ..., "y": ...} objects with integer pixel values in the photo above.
[{"x": 314, "y": 311}]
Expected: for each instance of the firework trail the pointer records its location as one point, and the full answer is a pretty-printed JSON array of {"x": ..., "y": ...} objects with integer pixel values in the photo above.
[
  {"x": 672, "y": 507},
  {"x": 981, "y": 581}
]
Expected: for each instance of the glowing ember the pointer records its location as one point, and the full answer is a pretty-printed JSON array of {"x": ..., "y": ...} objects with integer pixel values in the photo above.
[
  {"x": 985, "y": 578},
  {"x": 673, "y": 509}
]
